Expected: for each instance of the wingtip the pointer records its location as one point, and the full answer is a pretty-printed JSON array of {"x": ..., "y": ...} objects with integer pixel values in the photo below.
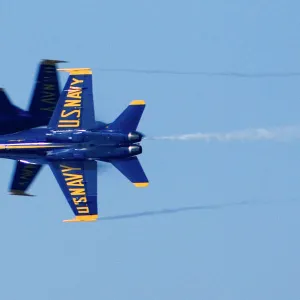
[
  {"x": 20, "y": 193},
  {"x": 138, "y": 102},
  {"x": 141, "y": 184},
  {"x": 86, "y": 218},
  {"x": 52, "y": 61},
  {"x": 77, "y": 71}
]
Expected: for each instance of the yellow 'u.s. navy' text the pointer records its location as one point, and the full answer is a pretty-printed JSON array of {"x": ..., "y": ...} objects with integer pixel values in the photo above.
[
  {"x": 75, "y": 184},
  {"x": 70, "y": 114}
]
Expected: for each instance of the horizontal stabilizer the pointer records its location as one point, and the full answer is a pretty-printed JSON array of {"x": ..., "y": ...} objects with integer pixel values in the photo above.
[
  {"x": 129, "y": 119},
  {"x": 132, "y": 169}
]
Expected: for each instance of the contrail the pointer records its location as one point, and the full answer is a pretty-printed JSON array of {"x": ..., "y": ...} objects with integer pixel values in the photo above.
[
  {"x": 204, "y": 73},
  {"x": 281, "y": 134},
  {"x": 191, "y": 208},
  {"x": 172, "y": 210}
]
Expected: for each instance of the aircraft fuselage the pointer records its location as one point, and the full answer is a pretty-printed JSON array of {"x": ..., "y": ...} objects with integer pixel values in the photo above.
[{"x": 41, "y": 145}]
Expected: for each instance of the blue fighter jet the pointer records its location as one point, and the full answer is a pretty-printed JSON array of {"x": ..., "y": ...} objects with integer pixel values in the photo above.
[
  {"x": 72, "y": 144},
  {"x": 43, "y": 102},
  {"x": 44, "y": 98}
]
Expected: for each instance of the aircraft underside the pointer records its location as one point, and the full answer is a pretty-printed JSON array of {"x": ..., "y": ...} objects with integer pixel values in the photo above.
[{"x": 72, "y": 144}]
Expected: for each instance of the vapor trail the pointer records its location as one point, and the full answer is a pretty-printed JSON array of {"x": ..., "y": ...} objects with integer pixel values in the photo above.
[
  {"x": 203, "y": 73},
  {"x": 172, "y": 211},
  {"x": 286, "y": 133},
  {"x": 192, "y": 208}
]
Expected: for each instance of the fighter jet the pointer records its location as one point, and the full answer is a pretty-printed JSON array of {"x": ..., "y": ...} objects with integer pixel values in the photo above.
[
  {"x": 72, "y": 144},
  {"x": 43, "y": 102}
]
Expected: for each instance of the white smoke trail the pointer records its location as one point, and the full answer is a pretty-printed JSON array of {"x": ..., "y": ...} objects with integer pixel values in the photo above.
[{"x": 281, "y": 134}]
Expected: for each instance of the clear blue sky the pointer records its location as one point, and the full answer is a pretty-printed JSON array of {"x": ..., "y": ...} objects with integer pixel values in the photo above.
[{"x": 232, "y": 252}]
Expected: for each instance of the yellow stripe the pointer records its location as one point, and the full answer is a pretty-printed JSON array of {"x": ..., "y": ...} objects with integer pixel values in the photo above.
[
  {"x": 138, "y": 102},
  {"x": 29, "y": 147},
  {"x": 77, "y": 71},
  {"x": 141, "y": 184},
  {"x": 22, "y": 146},
  {"x": 86, "y": 218}
]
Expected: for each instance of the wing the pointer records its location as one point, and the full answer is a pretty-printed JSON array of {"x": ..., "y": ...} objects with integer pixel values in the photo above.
[
  {"x": 78, "y": 181},
  {"x": 75, "y": 107},
  {"x": 46, "y": 91},
  {"x": 24, "y": 176}
]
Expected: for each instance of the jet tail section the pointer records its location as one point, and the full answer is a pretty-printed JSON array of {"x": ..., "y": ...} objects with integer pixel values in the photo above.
[
  {"x": 129, "y": 118},
  {"x": 132, "y": 169}
]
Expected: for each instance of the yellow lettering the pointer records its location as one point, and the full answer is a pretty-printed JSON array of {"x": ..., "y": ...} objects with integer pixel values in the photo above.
[
  {"x": 68, "y": 123},
  {"x": 83, "y": 209},
  {"x": 65, "y": 114},
  {"x": 71, "y": 176},
  {"x": 30, "y": 166},
  {"x": 48, "y": 94},
  {"x": 48, "y": 86},
  {"x": 76, "y": 182},
  {"x": 76, "y": 81},
  {"x": 48, "y": 108},
  {"x": 72, "y": 103},
  {"x": 77, "y": 192},
  {"x": 26, "y": 174},
  {"x": 74, "y": 94},
  {"x": 67, "y": 168},
  {"x": 49, "y": 69},
  {"x": 80, "y": 200},
  {"x": 49, "y": 100}
]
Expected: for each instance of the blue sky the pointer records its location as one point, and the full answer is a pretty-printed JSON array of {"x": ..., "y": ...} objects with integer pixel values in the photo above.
[{"x": 229, "y": 251}]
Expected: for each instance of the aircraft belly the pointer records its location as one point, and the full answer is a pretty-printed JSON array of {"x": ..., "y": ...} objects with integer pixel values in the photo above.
[
  {"x": 93, "y": 152},
  {"x": 72, "y": 140}
]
